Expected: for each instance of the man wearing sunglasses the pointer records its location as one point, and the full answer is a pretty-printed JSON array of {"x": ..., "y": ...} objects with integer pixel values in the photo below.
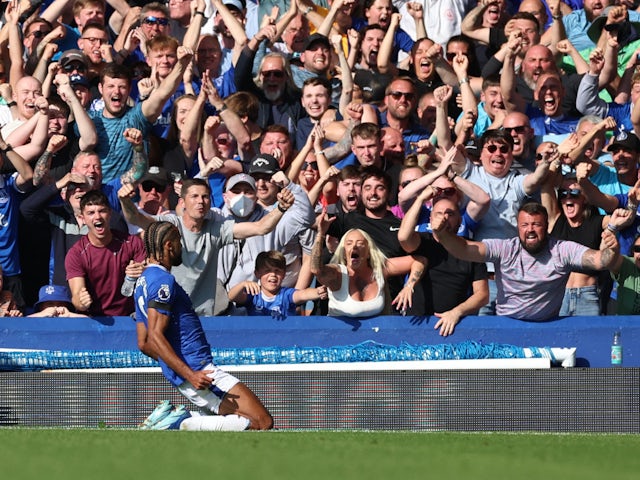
[
  {"x": 517, "y": 125},
  {"x": 153, "y": 191},
  {"x": 278, "y": 97},
  {"x": 506, "y": 188},
  {"x": 401, "y": 101}
]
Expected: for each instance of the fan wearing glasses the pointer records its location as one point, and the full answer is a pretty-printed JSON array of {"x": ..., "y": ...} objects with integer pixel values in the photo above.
[
  {"x": 507, "y": 190},
  {"x": 278, "y": 97},
  {"x": 572, "y": 218},
  {"x": 401, "y": 101},
  {"x": 517, "y": 125},
  {"x": 85, "y": 12},
  {"x": 34, "y": 31},
  {"x": 153, "y": 191}
]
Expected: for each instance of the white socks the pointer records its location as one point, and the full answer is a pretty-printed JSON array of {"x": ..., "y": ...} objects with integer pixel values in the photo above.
[{"x": 220, "y": 423}]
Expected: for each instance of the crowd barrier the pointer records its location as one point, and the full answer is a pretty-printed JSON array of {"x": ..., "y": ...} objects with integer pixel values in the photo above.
[
  {"x": 509, "y": 395},
  {"x": 591, "y": 336}
]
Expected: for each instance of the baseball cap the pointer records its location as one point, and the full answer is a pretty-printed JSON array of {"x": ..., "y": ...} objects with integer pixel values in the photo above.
[
  {"x": 240, "y": 178},
  {"x": 77, "y": 79},
  {"x": 73, "y": 55},
  {"x": 315, "y": 38},
  {"x": 627, "y": 31},
  {"x": 234, "y": 3},
  {"x": 625, "y": 140},
  {"x": 53, "y": 293},
  {"x": 157, "y": 175},
  {"x": 263, "y": 163}
]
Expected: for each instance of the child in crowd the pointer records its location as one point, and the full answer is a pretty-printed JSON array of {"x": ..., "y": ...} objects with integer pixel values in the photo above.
[
  {"x": 267, "y": 296},
  {"x": 54, "y": 301}
]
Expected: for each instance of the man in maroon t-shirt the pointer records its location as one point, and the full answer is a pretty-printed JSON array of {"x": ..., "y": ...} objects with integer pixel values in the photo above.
[{"x": 96, "y": 265}]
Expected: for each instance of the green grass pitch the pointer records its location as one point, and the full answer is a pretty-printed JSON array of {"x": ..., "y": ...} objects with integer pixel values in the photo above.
[{"x": 59, "y": 454}]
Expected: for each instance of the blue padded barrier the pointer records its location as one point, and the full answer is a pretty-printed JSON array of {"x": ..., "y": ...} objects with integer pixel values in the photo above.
[{"x": 590, "y": 335}]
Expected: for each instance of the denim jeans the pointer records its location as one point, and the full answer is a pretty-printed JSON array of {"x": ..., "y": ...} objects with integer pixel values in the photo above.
[
  {"x": 583, "y": 301},
  {"x": 490, "y": 308}
]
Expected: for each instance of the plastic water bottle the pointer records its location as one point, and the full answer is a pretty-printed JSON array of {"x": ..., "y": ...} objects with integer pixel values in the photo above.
[
  {"x": 127, "y": 286},
  {"x": 616, "y": 350}
]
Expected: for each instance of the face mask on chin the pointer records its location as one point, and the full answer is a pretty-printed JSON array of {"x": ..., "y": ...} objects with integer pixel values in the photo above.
[{"x": 242, "y": 206}]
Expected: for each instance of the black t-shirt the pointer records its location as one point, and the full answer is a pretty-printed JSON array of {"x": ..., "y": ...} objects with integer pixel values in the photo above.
[
  {"x": 588, "y": 233},
  {"x": 451, "y": 279}
]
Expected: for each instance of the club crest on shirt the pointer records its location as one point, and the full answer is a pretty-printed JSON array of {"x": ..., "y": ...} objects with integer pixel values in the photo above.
[{"x": 164, "y": 293}]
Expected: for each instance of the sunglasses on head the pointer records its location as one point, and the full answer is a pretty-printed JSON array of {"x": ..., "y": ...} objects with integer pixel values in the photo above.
[
  {"x": 313, "y": 165},
  {"x": 573, "y": 193},
  {"x": 273, "y": 73},
  {"x": 519, "y": 130},
  {"x": 410, "y": 96},
  {"x": 156, "y": 21},
  {"x": 494, "y": 148},
  {"x": 148, "y": 186}
]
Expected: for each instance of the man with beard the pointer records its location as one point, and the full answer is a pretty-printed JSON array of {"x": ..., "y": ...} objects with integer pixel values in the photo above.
[
  {"x": 538, "y": 60},
  {"x": 278, "y": 97},
  {"x": 506, "y": 188},
  {"x": 401, "y": 101},
  {"x": 548, "y": 116},
  {"x": 532, "y": 268}
]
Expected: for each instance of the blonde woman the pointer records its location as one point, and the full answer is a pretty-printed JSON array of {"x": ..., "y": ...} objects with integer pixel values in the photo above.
[{"x": 356, "y": 275}]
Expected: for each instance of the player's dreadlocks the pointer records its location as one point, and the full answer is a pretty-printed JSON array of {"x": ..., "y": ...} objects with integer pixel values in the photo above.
[{"x": 154, "y": 237}]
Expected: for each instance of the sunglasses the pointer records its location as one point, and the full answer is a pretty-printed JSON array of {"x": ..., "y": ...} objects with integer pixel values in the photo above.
[
  {"x": 410, "y": 96},
  {"x": 273, "y": 73},
  {"x": 156, "y": 21},
  {"x": 635, "y": 248},
  {"x": 494, "y": 148},
  {"x": 148, "y": 186},
  {"x": 447, "y": 192},
  {"x": 405, "y": 183},
  {"x": 70, "y": 67},
  {"x": 39, "y": 34},
  {"x": 451, "y": 55},
  {"x": 313, "y": 165},
  {"x": 573, "y": 193},
  {"x": 519, "y": 130}
]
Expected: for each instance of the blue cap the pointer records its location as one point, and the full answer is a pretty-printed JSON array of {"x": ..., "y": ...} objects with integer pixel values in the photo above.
[{"x": 53, "y": 293}]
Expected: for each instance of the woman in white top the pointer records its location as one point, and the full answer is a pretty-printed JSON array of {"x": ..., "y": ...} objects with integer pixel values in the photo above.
[{"x": 355, "y": 276}]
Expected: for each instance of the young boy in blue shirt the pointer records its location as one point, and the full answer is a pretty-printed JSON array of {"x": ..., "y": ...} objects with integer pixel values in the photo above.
[{"x": 267, "y": 296}]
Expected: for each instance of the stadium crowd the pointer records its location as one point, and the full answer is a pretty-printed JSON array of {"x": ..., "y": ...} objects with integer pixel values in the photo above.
[{"x": 349, "y": 157}]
